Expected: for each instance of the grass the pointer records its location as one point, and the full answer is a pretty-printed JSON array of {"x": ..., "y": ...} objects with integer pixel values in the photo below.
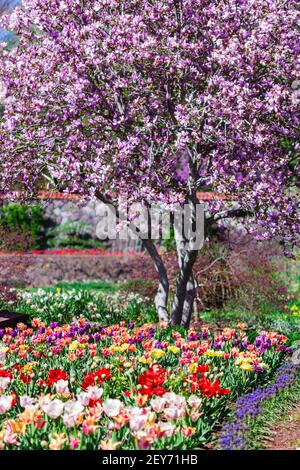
[
  {"x": 284, "y": 323},
  {"x": 105, "y": 286},
  {"x": 274, "y": 411}
]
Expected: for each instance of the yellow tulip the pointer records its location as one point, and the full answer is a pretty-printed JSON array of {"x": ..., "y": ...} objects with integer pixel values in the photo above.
[
  {"x": 212, "y": 353},
  {"x": 28, "y": 367},
  {"x": 73, "y": 346},
  {"x": 193, "y": 368},
  {"x": 157, "y": 353},
  {"x": 246, "y": 366},
  {"x": 144, "y": 360},
  {"x": 173, "y": 349}
]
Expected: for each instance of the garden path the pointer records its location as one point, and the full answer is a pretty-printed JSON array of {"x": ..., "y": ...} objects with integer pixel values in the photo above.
[{"x": 287, "y": 432}]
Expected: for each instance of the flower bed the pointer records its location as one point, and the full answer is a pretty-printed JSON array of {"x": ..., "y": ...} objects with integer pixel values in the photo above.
[
  {"x": 67, "y": 305},
  {"x": 76, "y": 386}
]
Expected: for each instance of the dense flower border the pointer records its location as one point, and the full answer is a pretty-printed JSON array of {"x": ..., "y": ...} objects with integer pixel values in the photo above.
[
  {"x": 235, "y": 434},
  {"x": 67, "y": 304},
  {"x": 77, "y": 386}
]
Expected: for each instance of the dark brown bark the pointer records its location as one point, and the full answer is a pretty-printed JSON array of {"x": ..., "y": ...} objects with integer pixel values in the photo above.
[
  {"x": 185, "y": 291},
  {"x": 185, "y": 274},
  {"x": 188, "y": 304}
]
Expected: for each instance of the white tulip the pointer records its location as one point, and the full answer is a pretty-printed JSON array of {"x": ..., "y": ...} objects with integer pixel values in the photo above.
[
  {"x": 158, "y": 404},
  {"x": 62, "y": 388},
  {"x": 73, "y": 410},
  {"x": 5, "y": 403},
  {"x": 112, "y": 407},
  {"x": 4, "y": 383},
  {"x": 83, "y": 398},
  {"x": 26, "y": 401},
  {"x": 137, "y": 422},
  {"x": 194, "y": 401},
  {"x": 94, "y": 393},
  {"x": 173, "y": 412},
  {"x": 53, "y": 409}
]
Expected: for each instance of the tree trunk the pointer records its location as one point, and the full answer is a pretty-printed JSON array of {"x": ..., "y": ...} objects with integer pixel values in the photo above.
[
  {"x": 161, "y": 298},
  {"x": 184, "y": 294},
  {"x": 185, "y": 287},
  {"x": 188, "y": 302}
]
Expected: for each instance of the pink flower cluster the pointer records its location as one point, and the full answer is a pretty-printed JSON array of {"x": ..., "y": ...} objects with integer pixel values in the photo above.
[{"x": 114, "y": 96}]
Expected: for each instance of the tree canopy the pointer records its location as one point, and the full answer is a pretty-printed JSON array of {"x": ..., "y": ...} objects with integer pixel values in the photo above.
[{"x": 112, "y": 97}]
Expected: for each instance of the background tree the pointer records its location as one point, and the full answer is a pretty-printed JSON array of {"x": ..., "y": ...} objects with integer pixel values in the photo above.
[{"x": 107, "y": 97}]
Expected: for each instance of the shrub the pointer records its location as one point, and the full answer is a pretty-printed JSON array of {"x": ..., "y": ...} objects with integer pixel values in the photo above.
[
  {"x": 21, "y": 227},
  {"x": 8, "y": 296},
  {"x": 235, "y": 269},
  {"x": 146, "y": 288},
  {"x": 240, "y": 270},
  {"x": 71, "y": 235}
]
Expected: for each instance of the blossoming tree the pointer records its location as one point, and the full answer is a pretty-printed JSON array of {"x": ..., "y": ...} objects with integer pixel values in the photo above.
[{"x": 103, "y": 97}]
